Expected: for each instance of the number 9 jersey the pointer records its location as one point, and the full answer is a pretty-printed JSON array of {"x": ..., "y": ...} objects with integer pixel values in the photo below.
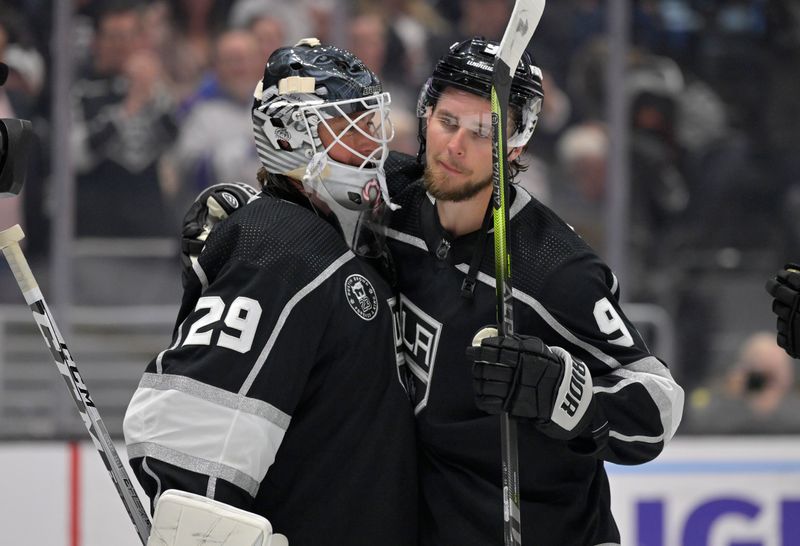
[
  {"x": 565, "y": 295},
  {"x": 280, "y": 393}
]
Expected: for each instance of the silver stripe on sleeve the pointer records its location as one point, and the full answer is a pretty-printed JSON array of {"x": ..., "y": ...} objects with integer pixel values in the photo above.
[
  {"x": 194, "y": 464},
  {"x": 662, "y": 388},
  {"x": 645, "y": 439},
  {"x": 174, "y": 411},
  {"x": 217, "y": 396},
  {"x": 290, "y": 305}
]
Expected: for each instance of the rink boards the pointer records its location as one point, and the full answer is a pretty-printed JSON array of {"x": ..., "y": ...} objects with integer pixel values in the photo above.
[{"x": 701, "y": 491}]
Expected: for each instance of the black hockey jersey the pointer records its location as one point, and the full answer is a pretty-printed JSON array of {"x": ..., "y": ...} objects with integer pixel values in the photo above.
[
  {"x": 564, "y": 294},
  {"x": 280, "y": 391}
]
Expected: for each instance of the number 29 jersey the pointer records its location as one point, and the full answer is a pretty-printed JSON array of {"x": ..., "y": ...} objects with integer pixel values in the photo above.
[{"x": 280, "y": 391}]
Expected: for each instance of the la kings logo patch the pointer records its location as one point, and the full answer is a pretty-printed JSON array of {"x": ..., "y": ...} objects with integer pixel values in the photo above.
[
  {"x": 419, "y": 336},
  {"x": 361, "y": 296}
]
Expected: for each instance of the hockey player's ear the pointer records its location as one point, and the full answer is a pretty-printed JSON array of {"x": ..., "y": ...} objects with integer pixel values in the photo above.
[{"x": 515, "y": 153}]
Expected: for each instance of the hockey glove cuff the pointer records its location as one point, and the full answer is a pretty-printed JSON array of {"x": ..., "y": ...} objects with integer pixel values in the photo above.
[
  {"x": 213, "y": 205},
  {"x": 526, "y": 378},
  {"x": 785, "y": 289}
]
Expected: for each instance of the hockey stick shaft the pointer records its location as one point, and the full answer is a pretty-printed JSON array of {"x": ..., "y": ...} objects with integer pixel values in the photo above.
[
  {"x": 9, "y": 244},
  {"x": 521, "y": 26}
]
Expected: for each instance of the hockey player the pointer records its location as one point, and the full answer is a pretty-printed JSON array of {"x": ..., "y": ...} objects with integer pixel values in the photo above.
[
  {"x": 578, "y": 379},
  {"x": 279, "y": 393},
  {"x": 785, "y": 290}
]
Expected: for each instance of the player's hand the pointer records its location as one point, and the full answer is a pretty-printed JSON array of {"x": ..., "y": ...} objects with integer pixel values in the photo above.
[
  {"x": 785, "y": 288},
  {"x": 526, "y": 378},
  {"x": 213, "y": 205}
]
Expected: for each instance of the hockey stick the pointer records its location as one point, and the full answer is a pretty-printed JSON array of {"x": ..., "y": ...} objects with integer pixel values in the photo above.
[
  {"x": 521, "y": 26},
  {"x": 9, "y": 244}
]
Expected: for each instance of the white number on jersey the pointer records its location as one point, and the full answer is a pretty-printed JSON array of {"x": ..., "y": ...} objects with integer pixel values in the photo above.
[
  {"x": 609, "y": 322},
  {"x": 243, "y": 316}
]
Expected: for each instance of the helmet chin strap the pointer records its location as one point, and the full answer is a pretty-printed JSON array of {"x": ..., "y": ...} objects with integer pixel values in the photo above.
[
  {"x": 313, "y": 175},
  {"x": 312, "y": 178},
  {"x": 385, "y": 190}
]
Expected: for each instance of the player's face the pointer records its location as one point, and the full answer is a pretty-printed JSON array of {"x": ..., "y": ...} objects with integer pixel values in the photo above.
[
  {"x": 356, "y": 141},
  {"x": 459, "y": 146}
]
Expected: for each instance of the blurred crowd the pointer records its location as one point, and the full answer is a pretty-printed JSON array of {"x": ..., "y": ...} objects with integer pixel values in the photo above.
[{"x": 162, "y": 90}]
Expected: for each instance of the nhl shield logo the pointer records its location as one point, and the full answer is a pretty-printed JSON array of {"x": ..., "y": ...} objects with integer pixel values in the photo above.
[{"x": 361, "y": 296}]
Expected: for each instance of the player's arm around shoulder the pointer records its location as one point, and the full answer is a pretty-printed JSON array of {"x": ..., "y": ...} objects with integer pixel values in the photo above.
[{"x": 213, "y": 205}]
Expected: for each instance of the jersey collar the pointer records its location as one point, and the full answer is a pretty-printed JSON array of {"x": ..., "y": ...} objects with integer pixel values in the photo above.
[{"x": 442, "y": 244}]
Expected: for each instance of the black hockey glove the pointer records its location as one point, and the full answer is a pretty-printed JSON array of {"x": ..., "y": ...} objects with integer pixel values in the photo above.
[
  {"x": 526, "y": 378},
  {"x": 213, "y": 205},
  {"x": 785, "y": 288}
]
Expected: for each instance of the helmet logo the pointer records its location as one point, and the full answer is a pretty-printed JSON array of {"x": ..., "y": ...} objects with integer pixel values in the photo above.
[
  {"x": 372, "y": 89},
  {"x": 477, "y": 64},
  {"x": 361, "y": 296}
]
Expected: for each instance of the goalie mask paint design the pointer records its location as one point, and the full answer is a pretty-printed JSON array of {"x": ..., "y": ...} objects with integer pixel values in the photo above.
[{"x": 305, "y": 89}]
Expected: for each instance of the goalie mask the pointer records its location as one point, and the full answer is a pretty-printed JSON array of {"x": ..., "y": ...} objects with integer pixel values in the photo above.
[
  {"x": 468, "y": 66},
  {"x": 312, "y": 104}
]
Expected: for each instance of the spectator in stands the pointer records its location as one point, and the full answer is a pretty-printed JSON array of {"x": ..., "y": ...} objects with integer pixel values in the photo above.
[
  {"x": 269, "y": 31},
  {"x": 122, "y": 124},
  {"x": 215, "y": 141},
  {"x": 579, "y": 195},
  {"x": 298, "y": 17},
  {"x": 196, "y": 24},
  {"x": 184, "y": 65},
  {"x": 373, "y": 41},
  {"x": 419, "y": 28},
  {"x": 758, "y": 395},
  {"x": 484, "y": 18}
]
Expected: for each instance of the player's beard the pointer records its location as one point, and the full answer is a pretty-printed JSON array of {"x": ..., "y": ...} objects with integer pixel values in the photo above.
[{"x": 435, "y": 185}]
